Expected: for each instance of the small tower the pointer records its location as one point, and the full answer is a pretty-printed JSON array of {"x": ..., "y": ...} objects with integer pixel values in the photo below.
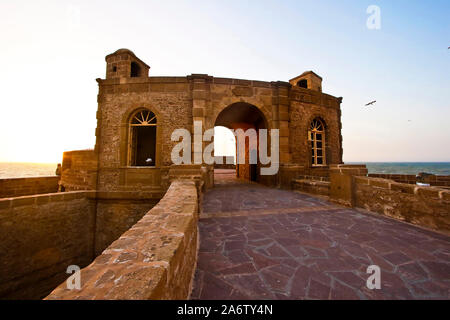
[
  {"x": 308, "y": 80},
  {"x": 124, "y": 64}
]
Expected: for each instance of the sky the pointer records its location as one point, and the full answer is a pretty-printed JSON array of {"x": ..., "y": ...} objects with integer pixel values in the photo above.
[{"x": 52, "y": 52}]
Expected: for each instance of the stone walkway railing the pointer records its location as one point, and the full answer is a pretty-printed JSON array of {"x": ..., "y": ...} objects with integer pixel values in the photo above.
[{"x": 155, "y": 259}]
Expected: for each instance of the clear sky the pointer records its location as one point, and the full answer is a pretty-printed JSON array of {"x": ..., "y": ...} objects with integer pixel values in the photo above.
[{"x": 52, "y": 52}]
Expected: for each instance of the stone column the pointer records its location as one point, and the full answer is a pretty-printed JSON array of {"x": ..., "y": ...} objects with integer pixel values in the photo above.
[
  {"x": 280, "y": 114},
  {"x": 200, "y": 84}
]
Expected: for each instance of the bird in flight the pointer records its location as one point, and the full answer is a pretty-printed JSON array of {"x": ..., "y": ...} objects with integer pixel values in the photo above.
[{"x": 370, "y": 103}]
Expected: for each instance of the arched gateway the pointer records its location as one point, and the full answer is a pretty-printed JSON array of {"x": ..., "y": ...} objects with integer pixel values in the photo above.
[
  {"x": 248, "y": 118},
  {"x": 125, "y": 163}
]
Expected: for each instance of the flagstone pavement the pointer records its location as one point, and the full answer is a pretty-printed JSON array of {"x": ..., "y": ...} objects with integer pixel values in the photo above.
[{"x": 263, "y": 243}]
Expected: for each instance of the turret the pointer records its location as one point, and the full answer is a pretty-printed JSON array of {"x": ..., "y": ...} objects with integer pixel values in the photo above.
[
  {"x": 124, "y": 64},
  {"x": 308, "y": 80}
]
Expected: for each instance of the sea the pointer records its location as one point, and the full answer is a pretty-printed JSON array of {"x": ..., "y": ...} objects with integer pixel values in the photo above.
[
  {"x": 437, "y": 168},
  {"x": 20, "y": 170}
]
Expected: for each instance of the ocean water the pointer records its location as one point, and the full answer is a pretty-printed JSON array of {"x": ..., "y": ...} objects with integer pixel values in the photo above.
[
  {"x": 21, "y": 170},
  {"x": 437, "y": 168},
  {"x": 17, "y": 170}
]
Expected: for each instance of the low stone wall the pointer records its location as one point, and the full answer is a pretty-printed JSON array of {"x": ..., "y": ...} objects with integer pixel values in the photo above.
[
  {"x": 155, "y": 259},
  {"x": 40, "y": 236},
  {"x": 16, "y": 187},
  {"x": 224, "y": 166},
  {"x": 425, "y": 206},
  {"x": 433, "y": 180},
  {"x": 441, "y": 181},
  {"x": 313, "y": 185},
  {"x": 402, "y": 178},
  {"x": 224, "y": 162}
]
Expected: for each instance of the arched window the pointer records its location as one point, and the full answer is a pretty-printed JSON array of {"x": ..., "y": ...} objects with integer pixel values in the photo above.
[
  {"x": 142, "y": 139},
  {"x": 303, "y": 83},
  {"x": 135, "y": 70},
  {"x": 317, "y": 138}
]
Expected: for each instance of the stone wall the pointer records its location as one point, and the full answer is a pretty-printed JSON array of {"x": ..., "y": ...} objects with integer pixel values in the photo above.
[
  {"x": 301, "y": 115},
  {"x": 224, "y": 162},
  {"x": 119, "y": 211},
  {"x": 16, "y": 187},
  {"x": 425, "y": 206},
  {"x": 155, "y": 259},
  {"x": 40, "y": 236},
  {"x": 313, "y": 185},
  {"x": 79, "y": 170},
  {"x": 169, "y": 98},
  {"x": 433, "y": 180}
]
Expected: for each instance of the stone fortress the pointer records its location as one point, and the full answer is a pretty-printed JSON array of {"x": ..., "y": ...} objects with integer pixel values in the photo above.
[{"x": 129, "y": 217}]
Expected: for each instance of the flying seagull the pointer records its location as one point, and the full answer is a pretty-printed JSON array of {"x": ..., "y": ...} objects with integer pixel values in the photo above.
[{"x": 370, "y": 103}]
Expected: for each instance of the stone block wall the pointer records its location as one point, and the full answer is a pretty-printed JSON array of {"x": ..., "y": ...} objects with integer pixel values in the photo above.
[
  {"x": 224, "y": 162},
  {"x": 441, "y": 181},
  {"x": 117, "y": 212},
  {"x": 79, "y": 170},
  {"x": 402, "y": 178},
  {"x": 16, "y": 187},
  {"x": 155, "y": 259},
  {"x": 302, "y": 111},
  {"x": 40, "y": 236},
  {"x": 313, "y": 186},
  {"x": 425, "y": 206},
  {"x": 433, "y": 180}
]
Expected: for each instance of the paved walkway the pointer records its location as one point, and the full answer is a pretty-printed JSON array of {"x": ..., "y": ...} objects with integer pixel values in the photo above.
[{"x": 263, "y": 243}]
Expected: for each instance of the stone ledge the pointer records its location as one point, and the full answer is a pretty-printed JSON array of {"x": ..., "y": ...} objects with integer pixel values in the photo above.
[
  {"x": 155, "y": 259},
  {"x": 38, "y": 199},
  {"x": 403, "y": 187},
  {"x": 24, "y": 186},
  {"x": 312, "y": 186}
]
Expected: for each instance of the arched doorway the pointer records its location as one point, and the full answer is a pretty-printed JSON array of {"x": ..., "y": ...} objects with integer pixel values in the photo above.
[{"x": 244, "y": 116}]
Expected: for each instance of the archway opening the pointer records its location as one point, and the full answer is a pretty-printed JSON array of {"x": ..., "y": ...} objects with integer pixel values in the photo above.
[
  {"x": 225, "y": 146},
  {"x": 246, "y": 117}
]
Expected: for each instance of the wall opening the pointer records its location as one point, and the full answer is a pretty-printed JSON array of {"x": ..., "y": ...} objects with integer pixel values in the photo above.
[
  {"x": 135, "y": 70},
  {"x": 224, "y": 142},
  {"x": 244, "y": 116},
  {"x": 142, "y": 139},
  {"x": 303, "y": 83}
]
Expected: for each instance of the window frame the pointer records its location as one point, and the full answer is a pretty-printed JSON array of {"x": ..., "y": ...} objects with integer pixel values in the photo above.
[
  {"x": 317, "y": 127},
  {"x": 142, "y": 122}
]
